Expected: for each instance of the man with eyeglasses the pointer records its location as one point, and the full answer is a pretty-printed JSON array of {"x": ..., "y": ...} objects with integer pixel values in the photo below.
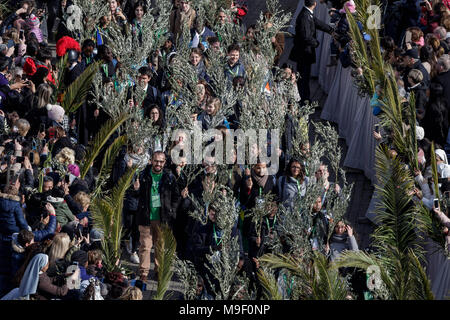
[{"x": 158, "y": 200}]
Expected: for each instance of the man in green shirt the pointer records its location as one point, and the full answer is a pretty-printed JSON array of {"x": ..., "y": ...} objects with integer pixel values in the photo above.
[{"x": 158, "y": 200}]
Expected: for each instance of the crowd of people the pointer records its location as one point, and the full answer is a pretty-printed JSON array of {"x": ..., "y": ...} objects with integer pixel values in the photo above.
[{"x": 51, "y": 247}]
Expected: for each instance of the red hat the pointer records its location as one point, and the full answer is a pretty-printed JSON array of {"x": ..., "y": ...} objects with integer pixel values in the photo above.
[{"x": 66, "y": 43}]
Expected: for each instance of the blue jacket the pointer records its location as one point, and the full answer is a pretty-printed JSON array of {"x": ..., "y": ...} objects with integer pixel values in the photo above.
[{"x": 12, "y": 219}]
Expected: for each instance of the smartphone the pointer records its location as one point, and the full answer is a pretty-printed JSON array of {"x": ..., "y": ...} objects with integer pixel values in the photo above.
[
  {"x": 42, "y": 127},
  {"x": 19, "y": 159},
  {"x": 436, "y": 203},
  {"x": 442, "y": 180},
  {"x": 67, "y": 179},
  {"x": 377, "y": 128},
  {"x": 10, "y": 43},
  {"x": 447, "y": 194},
  {"x": 423, "y": 3},
  {"x": 22, "y": 34}
]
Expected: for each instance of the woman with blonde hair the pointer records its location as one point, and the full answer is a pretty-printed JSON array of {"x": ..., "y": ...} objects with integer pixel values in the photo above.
[
  {"x": 59, "y": 248},
  {"x": 131, "y": 293},
  {"x": 66, "y": 156}
]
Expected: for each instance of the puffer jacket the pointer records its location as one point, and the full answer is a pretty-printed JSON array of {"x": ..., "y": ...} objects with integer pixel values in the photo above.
[
  {"x": 12, "y": 219},
  {"x": 63, "y": 213},
  {"x": 288, "y": 190}
]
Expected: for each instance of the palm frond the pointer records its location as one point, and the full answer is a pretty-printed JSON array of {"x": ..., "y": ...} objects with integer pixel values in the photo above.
[
  {"x": 117, "y": 197},
  {"x": 269, "y": 284},
  {"x": 281, "y": 261},
  {"x": 434, "y": 171},
  {"x": 75, "y": 94},
  {"x": 327, "y": 284},
  {"x": 396, "y": 211},
  {"x": 99, "y": 141},
  {"x": 111, "y": 154},
  {"x": 60, "y": 87},
  {"x": 421, "y": 284},
  {"x": 165, "y": 254}
]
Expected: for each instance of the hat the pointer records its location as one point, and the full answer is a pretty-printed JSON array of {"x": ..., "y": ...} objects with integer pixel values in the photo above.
[
  {"x": 411, "y": 53},
  {"x": 80, "y": 256},
  {"x": 55, "y": 112},
  {"x": 3, "y": 47},
  {"x": 441, "y": 153},
  {"x": 96, "y": 235},
  {"x": 74, "y": 169},
  {"x": 66, "y": 43},
  {"x": 350, "y": 5},
  {"x": 33, "y": 21},
  {"x": 55, "y": 176},
  {"x": 420, "y": 133}
]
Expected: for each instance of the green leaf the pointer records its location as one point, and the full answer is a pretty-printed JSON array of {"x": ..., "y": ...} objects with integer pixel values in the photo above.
[
  {"x": 99, "y": 141},
  {"x": 75, "y": 95},
  {"x": 165, "y": 254},
  {"x": 111, "y": 154}
]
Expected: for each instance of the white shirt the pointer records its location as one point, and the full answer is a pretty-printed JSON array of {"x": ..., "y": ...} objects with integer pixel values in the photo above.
[{"x": 312, "y": 13}]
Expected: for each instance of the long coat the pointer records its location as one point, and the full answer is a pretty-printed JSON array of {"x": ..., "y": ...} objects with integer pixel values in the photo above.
[{"x": 305, "y": 41}]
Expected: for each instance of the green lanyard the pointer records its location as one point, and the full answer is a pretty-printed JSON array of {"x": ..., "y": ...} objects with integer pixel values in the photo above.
[
  {"x": 215, "y": 235},
  {"x": 260, "y": 191},
  {"x": 298, "y": 187},
  {"x": 234, "y": 74},
  {"x": 273, "y": 225},
  {"x": 288, "y": 288},
  {"x": 105, "y": 69}
]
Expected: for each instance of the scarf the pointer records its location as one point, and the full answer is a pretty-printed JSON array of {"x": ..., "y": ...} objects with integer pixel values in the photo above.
[
  {"x": 339, "y": 238},
  {"x": 261, "y": 181}
]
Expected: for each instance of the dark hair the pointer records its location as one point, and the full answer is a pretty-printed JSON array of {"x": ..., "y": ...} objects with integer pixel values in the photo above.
[
  {"x": 234, "y": 47},
  {"x": 309, "y": 3},
  {"x": 388, "y": 43},
  {"x": 32, "y": 48},
  {"x": 44, "y": 54},
  {"x": 146, "y": 71},
  {"x": 159, "y": 122},
  {"x": 30, "y": 252},
  {"x": 4, "y": 63},
  {"x": 47, "y": 179},
  {"x": 88, "y": 43},
  {"x": 238, "y": 81},
  {"x": 158, "y": 152},
  {"x": 212, "y": 40},
  {"x": 140, "y": 4},
  {"x": 197, "y": 51},
  {"x": 288, "y": 169},
  {"x": 25, "y": 236}
]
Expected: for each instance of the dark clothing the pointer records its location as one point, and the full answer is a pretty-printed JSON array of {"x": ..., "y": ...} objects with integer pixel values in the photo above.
[
  {"x": 169, "y": 195},
  {"x": 304, "y": 50},
  {"x": 305, "y": 40},
  {"x": 426, "y": 76},
  {"x": 420, "y": 94},
  {"x": 444, "y": 80},
  {"x": 268, "y": 226},
  {"x": 12, "y": 219}
]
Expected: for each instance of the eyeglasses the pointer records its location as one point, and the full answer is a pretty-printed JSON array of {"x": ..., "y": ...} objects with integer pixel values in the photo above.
[
  {"x": 297, "y": 168},
  {"x": 154, "y": 113}
]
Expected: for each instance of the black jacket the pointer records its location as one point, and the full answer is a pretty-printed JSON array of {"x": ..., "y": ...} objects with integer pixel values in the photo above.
[
  {"x": 305, "y": 41},
  {"x": 444, "y": 79},
  {"x": 170, "y": 197}
]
